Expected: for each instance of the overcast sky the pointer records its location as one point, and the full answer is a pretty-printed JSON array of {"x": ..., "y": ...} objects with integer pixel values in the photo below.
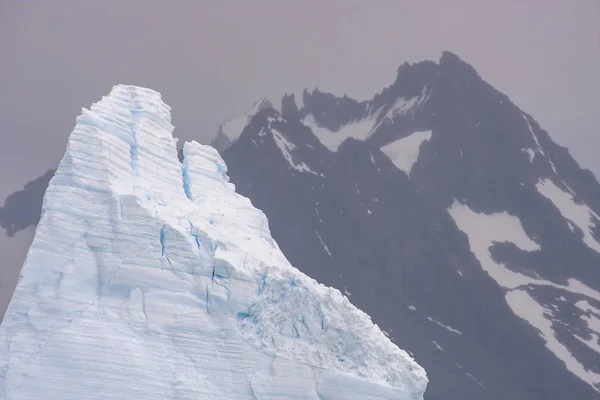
[{"x": 212, "y": 59}]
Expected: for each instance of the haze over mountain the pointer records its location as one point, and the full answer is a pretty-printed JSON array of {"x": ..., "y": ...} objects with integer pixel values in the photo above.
[
  {"x": 211, "y": 61},
  {"x": 450, "y": 216},
  {"x": 443, "y": 211}
]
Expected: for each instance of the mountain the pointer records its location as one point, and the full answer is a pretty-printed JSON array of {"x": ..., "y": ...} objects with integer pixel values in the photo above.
[
  {"x": 449, "y": 216},
  {"x": 18, "y": 219},
  {"x": 150, "y": 278},
  {"x": 443, "y": 211}
]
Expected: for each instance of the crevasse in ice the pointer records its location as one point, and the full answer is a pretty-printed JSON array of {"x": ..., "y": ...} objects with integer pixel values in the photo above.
[{"x": 152, "y": 279}]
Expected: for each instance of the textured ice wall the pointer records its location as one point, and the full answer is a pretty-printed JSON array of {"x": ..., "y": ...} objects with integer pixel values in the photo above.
[{"x": 152, "y": 279}]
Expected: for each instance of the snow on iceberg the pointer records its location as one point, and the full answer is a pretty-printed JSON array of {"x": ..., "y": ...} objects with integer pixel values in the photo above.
[{"x": 153, "y": 279}]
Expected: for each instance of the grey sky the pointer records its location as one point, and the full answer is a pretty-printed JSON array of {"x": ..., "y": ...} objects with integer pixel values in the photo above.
[{"x": 211, "y": 60}]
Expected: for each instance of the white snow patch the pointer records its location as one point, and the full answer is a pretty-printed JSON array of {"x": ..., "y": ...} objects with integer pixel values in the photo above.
[
  {"x": 299, "y": 99},
  {"x": 552, "y": 165},
  {"x": 359, "y": 130},
  {"x": 412, "y": 308},
  {"x": 347, "y": 292},
  {"x": 233, "y": 128},
  {"x": 537, "y": 143},
  {"x": 404, "y": 152},
  {"x": 531, "y": 311},
  {"x": 531, "y": 154},
  {"x": 323, "y": 243},
  {"x": 593, "y": 322},
  {"x": 587, "y": 307},
  {"x": 475, "y": 380},
  {"x": 592, "y": 342},
  {"x": 575, "y": 286},
  {"x": 459, "y": 272},
  {"x": 483, "y": 230},
  {"x": 372, "y": 159},
  {"x": 580, "y": 214},
  {"x": 593, "y": 319},
  {"x": 286, "y": 146},
  {"x": 437, "y": 345},
  {"x": 451, "y": 329},
  {"x": 403, "y": 105},
  {"x": 539, "y": 146},
  {"x": 445, "y": 326}
]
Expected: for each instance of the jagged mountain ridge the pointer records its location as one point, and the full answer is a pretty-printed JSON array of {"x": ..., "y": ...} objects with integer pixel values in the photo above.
[
  {"x": 389, "y": 227},
  {"x": 393, "y": 193}
]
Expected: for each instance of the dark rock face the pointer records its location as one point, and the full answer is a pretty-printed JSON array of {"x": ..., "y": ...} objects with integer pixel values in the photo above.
[
  {"x": 466, "y": 244},
  {"x": 357, "y": 222},
  {"x": 22, "y": 209}
]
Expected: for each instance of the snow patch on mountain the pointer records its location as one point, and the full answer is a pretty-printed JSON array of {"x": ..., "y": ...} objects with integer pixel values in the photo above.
[
  {"x": 592, "y": 320},
  {"x": 447, "y": 327},
  {"x": 324, "y": 245},
  {"x": 579, "y": 214},
  {"x": 231, "y": 129},
  {"x": 286, "y": 147},
  {"x": 534, "y": 136},
  {"x": 483, "y": 231},
  {"x": 592, "y": 342},
  {"x": 530, "y": 153},
  {"x": 148, "y": 278},
  {"x": 404, "y": 106},
  {"x": 358, "y": 129},
  {"x": 540, "y": 318},
  {"x": 404, "y": 152},
  {"x": 585, "y": 306},
  {"x": 299, "y": 98}
]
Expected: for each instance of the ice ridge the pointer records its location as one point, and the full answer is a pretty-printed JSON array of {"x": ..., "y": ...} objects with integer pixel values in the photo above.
[{"x": 152, "y": 279}]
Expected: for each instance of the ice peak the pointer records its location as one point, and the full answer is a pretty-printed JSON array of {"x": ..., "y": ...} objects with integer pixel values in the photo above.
[
  {"x": 149, "y": 278},
  {"x": 142, "y": 98}
]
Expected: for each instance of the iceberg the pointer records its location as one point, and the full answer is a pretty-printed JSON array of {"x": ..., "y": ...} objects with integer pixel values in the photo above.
[{"x": 151, "y": 278}]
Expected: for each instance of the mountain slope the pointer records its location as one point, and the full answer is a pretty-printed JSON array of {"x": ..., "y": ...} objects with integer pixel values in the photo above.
[
  {"x": 450, "y": 216},
  {"x": 447, "y": 214},
  {"x": 150, "y": 278}
]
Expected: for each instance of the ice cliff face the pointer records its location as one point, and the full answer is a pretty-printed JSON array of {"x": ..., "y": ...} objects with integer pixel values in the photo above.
[{"x": 153, "y": 279}]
